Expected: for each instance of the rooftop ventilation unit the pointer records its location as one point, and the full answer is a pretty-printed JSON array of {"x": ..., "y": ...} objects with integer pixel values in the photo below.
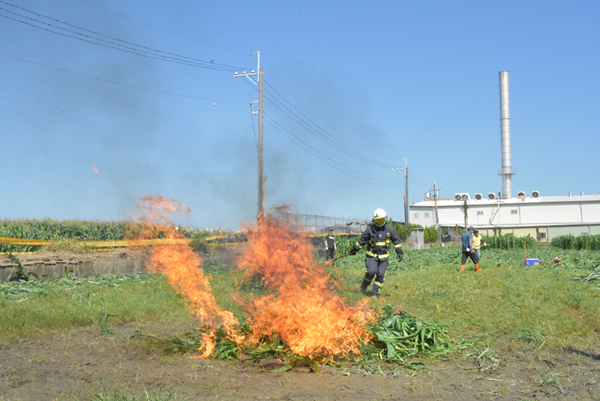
[
  {"x": 479, "y": 196},
  {"x": 457, "y": 197},
  {"x": 465, "y": 197},
  {"x": 535, "y": 194},
  {"x": 521, "y": 194},
  {"x": 491, "y": 195}
]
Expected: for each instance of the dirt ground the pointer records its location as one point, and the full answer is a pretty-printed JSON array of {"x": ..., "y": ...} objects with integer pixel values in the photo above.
[
  {"x": 75, "y": 364},
  {"x": 224, "y": 255}
]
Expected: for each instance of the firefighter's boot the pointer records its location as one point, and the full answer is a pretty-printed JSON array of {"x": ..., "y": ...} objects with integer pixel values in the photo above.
[
  {"x": 462, "y": 268},
  {"x": 375, "y": 290},
  {"x": 365, "y": 284},
  {"x": 477, "y": 269}
]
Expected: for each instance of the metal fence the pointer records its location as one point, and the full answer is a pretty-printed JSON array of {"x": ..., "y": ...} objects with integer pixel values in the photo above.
[{"x": 321, "y": 224}]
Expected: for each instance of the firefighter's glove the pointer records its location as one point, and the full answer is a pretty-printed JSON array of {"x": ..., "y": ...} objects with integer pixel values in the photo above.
[
  {"x": 353, "y": 250},
  {"x": 400, "y": 254}
]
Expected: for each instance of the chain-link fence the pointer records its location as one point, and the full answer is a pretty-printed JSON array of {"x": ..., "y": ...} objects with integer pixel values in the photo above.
[{"x": 316, "y": 223}]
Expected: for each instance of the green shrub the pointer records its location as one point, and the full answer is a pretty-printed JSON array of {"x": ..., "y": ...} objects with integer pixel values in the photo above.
[
  {"x": 570, "y": 242},
  {"x": 401, "y": 228},
  {"x": 510, "y": 242},
  {"x": 431, "y": 234},
  {"x": 200, "y": 245}
]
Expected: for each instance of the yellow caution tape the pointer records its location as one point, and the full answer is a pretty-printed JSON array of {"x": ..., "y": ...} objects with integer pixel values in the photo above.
[{"x": 128, "y": 243}]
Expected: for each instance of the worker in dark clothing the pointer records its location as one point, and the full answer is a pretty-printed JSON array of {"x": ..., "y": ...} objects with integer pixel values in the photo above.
[
  {"x": 330, "y": 246},
  {"x": 468, "y": 251},
  {"x": 378, "y": 237}
]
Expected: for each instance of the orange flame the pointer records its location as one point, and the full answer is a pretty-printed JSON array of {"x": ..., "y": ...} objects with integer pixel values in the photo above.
[
  {"x": 95, "y": 169},
  {"x": 181, "y": 265},
  {"x": 302, "y": 311}
]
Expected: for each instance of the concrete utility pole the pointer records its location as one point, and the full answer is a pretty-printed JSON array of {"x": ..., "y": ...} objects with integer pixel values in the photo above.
[
  {"x": 437, "y": 216},
  {"x": 405, "y": 171},
  {"x": 262, "y": 191}
]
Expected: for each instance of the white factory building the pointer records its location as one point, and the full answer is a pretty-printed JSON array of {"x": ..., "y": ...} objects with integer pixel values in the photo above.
[{"x": 541, "y": 217}]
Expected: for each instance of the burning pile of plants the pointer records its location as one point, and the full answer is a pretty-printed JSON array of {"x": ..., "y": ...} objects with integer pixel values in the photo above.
[{"x": 298, "y": 318}]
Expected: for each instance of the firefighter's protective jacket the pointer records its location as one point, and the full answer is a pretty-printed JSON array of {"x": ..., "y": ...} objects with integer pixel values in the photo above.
[{"x": 378, "y": 240}]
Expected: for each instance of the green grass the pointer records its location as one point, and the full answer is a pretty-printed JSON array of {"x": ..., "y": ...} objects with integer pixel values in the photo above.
[
  {"x": 27, "y": 308},
  {"x": 546, "y": 304},
  {"x": 118, "y": 394},
  {"x": 510, "y": 301}
]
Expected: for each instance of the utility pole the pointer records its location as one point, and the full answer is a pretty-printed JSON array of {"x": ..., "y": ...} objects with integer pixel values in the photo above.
[
  {"x": 262, "y": 192},
  {"x": 405, "y": 171},
  {"x": 437, "y": 216}
]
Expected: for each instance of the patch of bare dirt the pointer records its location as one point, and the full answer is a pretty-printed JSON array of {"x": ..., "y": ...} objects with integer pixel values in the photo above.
[
  {"x": 76, "y": 364},
  {"x": 63, "y": 257}
]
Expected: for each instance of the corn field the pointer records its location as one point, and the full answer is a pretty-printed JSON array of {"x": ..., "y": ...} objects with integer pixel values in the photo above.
[
  {"x": 82, "y": 230},
  {"x": 57, "y": 230},
  {"x": 570, "y": 242},
  {"x": 510, "y": 242}
]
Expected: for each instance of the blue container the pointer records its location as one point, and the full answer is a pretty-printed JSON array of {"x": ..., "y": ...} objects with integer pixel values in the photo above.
[{"x": 531, "y": 261}]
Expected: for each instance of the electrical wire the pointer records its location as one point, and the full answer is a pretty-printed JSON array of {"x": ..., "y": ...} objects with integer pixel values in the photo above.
[
  {"x": 163, "y": 29},
  {"x": 96, "y": 38},
  {"x": 112, "y": 43},
  {"x": 322, "y": 119},
  {"x": 317, "y": 154},
  {"x": 211, "y": 102},
  {"x": 316, "y": 130}
]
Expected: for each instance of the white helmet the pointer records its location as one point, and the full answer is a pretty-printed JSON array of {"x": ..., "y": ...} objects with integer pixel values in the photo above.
[{"x": 379, "y": 214}]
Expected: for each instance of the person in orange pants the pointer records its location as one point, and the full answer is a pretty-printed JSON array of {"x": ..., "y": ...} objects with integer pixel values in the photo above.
[{"x": 468, "y": 251}]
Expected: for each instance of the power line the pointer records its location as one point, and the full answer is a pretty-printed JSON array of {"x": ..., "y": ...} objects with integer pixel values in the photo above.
[
  {"x": 163, "y": 29},
  {"x": 211, "y": 101},
  {"x": 319, "y": 155},
  {"x": 322, "y": 119},
  {"x": 286, "y": 111},
  {"x": 316, "y": 130},
  {"x": 310, "y": 149},
  {"x": 112, "y": 43}
]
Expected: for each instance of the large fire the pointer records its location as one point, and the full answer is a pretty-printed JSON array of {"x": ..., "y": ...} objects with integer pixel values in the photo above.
[
  {"x": 300, "y": 310},
  {"x": 181, "y": 265}
]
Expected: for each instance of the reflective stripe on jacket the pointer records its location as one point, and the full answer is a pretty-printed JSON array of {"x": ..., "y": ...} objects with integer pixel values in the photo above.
[{"x": 378, "y": 241}]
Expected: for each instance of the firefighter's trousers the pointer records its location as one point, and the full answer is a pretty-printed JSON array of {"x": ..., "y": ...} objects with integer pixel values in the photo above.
[{"x": 376, "y": 267}]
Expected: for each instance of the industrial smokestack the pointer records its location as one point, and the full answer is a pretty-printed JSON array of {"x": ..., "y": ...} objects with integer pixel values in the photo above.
[{"x": 506, "y": 172}]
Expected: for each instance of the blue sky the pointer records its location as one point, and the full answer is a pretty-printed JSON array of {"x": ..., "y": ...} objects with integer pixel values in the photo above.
[{"x": 351, "y": 89}]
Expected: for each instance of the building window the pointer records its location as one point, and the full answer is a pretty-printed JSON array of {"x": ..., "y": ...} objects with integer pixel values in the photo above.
[
  {"x": 480, "y": 213},
  {"x": 514, "y": 211},
  {"x": 416, "y": 215},
  {"x": 425, "y": 215}
]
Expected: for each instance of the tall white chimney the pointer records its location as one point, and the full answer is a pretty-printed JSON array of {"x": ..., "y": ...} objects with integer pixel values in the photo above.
[{"x": 506, "y": 172}]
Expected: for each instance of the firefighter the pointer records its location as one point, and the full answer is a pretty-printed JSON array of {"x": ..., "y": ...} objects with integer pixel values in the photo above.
[
  {"x": 378, "y": 237},
  {"x": 330, "y": 246}
]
